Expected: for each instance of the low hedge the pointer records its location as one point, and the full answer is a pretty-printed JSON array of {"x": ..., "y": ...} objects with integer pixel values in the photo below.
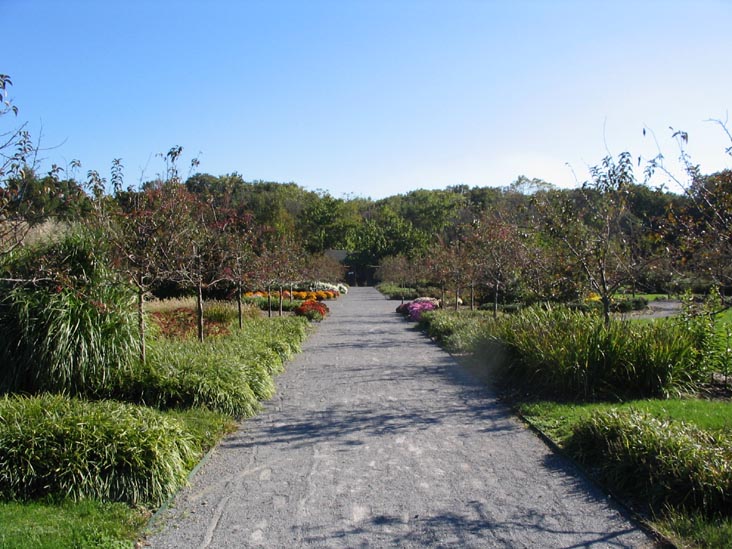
[
  {"x": 60, "y": 447},
  {"x": 673, "y": 463}
]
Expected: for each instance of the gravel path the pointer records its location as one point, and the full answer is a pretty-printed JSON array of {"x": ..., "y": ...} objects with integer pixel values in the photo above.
[{"x": 377, "y": 438}]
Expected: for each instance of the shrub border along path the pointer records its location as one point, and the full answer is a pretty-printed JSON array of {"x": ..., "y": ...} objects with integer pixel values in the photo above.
[{"x": 377, "y": 437}]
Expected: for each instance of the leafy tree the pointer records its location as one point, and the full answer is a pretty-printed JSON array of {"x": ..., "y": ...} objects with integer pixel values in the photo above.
[
  {"x": 149, "y": 231},
  {"x": 325, "y": 223},
  {"x": 700, "y": 225},
  {"x": 497, "y": 249},
  {"x": 382, "y": 233},
  {"x": 202, "y": 263},
  {"x": 17, "y": 155},
  {"x": 323, "y": 267},
  {"x": 279, "y": 263},
  {"x": 397, "y": 269},
  {"x": 589, "y": 224}
]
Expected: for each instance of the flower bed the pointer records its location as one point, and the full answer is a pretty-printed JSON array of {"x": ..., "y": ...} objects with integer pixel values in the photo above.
[
  {"x": 312, "y": 310},
  {"x": 414, "y": 309}
]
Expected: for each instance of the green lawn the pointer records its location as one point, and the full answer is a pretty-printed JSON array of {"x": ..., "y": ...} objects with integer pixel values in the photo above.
[{"x": 84, "y": 524}]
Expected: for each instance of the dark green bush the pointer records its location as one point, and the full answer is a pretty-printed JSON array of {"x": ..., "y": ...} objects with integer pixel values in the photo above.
[
  {"x": 669, "y": 463},
  {"x": 60, "y": 447},
  {"x": 66, "y": 323},
  {"x": 631, "y": 304}
]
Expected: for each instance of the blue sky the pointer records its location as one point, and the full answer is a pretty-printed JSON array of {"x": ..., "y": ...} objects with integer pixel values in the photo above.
[{"x": 369, "y": 98}]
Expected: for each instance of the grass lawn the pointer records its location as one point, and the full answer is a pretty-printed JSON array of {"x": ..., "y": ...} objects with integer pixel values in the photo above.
[{"x": 84, "y": 524}]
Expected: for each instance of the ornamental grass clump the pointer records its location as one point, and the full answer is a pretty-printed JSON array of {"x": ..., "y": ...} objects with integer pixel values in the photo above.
[
  {"x": 66, "y": 320},
  {"x": 669, "y": 463},
  {"x": 188, "y": 374},
  {"x": 229, "y": 374},
  {"x": 457, "y": 332},
  {"x": 60, "y": 447},
  {"x": 571, "y": 354}
]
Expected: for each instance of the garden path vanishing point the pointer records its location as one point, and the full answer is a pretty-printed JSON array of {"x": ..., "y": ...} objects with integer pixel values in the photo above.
[{"x": 378, "y": 438}]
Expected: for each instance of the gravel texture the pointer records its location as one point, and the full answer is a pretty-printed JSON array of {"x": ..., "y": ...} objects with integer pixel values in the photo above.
[{"x": 378, "y": 438}]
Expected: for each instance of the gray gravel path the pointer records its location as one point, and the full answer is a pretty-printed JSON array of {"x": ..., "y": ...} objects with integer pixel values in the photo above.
[{"x": 377, "y": 438}]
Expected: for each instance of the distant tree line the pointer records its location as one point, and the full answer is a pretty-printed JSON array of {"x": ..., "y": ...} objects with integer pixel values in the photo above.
[{"x": 527, "y": 241}]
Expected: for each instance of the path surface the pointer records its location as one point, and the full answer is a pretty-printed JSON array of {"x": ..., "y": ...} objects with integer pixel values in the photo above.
[{"x": 377, "y": 438}]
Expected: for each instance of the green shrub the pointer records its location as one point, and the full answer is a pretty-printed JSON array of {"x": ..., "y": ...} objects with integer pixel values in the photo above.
[
  {"x": 670, "y": 463},
  {"x": 72, "y": 329},
  {"x": 51, "y": 445},
  {"x": 630, "y": 304}
]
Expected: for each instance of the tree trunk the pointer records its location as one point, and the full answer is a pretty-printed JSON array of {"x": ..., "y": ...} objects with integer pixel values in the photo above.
[
  {"x": 199, "y": 311},
  {"x": 457, "y": 296},
  {"x": 472, "y": 296},
  {"x": 280, "y": 300},
  {"x": 269, "y": 301},
  {"x": 141, "y": 323},
  {"x": 495, "y": 299},
  {"x": 606, "y": 309},
  {"x": 238, "y": 304}
]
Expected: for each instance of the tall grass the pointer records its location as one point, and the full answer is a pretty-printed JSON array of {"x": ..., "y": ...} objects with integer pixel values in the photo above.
[
  {"x": 574, "y": 355},
  {"x": 229, "y": 374},
  {"x": 66, "y": 324},
  {"x": 671, "y": 463},
  {"x": 61, "y": 447}
]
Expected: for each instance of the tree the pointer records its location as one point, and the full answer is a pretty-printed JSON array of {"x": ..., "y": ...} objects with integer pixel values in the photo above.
[
  {"x": 701, "y": 225},
  {"x": 589, "y": 224},
  {"x": 279, "y": 263},
  {"x": 382, "y": 233},
  {"x": 202, "y": 264},
  {"x": 496, "y": 247},
  {"x": 149, "y": 231},
  {"x": 17, "y": 156},
  {"x": 397, "y": 269}
]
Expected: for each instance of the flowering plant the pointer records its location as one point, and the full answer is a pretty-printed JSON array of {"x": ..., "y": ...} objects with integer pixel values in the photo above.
[
  {"x": 312, "y": 310},
  {"x": 416, "y": 308}
]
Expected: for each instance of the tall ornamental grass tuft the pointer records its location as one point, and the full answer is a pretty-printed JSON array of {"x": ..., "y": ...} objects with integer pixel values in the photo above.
[
  {"x": 66, "y": 324},
  {"x": 61, "y": 447},
  {"x": 671, "y": 463},
  {"x": 572, "y": 354},
  {"x": 575, "y": 354},
  {"x": 457, "y": 332},
  {"x": 230, "y": 374}
]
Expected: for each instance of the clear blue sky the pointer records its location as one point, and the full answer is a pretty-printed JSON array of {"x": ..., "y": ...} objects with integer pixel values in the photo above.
[{"x": 370, "y": 98}]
